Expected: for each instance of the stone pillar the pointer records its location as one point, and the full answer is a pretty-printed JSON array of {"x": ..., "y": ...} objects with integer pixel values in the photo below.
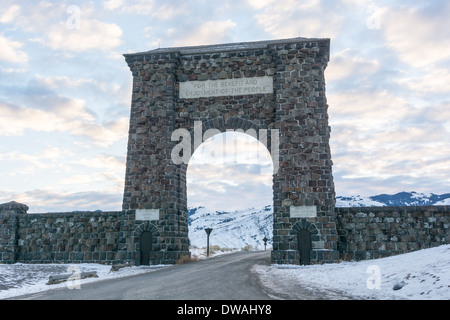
[
  {"x": 303, "y": 185},
  {"x": 152, "y": 181},
  {"x": 9, "y": 223}
]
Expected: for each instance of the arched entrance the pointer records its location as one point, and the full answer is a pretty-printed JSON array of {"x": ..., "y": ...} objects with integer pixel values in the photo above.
[
  {"x": 230, "y": 173},
  {"x": 309, "y": 244},
  {"x": 145, "y": 241},
  {"x": 181, "y": 95}
]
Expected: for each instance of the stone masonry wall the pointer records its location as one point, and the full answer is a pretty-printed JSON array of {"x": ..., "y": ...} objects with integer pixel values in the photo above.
[
  {"x": 113, "y": 237},
  {"x": 76, "y": 237},
  {"x": 377, "y": 232},
  {"x": 60, "y": 237},
  {"x": 7, "y": 238}
]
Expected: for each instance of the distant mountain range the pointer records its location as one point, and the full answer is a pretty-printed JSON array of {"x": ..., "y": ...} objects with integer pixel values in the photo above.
[
  {"x": 399, "y": 199},
  {"x": 237, "y": 229}
]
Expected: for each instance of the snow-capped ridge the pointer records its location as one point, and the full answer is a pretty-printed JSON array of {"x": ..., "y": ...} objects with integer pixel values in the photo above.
[{"x": 411, "y": 198}]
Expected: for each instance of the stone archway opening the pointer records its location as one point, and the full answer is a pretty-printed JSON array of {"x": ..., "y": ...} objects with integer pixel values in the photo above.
[
  {"x": 145, "y": 243},
  {"x": 230, "y": 175}
]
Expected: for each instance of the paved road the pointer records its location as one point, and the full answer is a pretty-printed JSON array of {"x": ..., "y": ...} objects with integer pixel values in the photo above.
[{"x": 226, "y": 277}]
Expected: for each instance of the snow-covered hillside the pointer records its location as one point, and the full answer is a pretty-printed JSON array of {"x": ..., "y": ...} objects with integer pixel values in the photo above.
[
  {"x": 445, "y": 202},
  {"x": 357, "y": 201},
  {"x": 241, "y": 228},
  {"x": 399, "y": 199},
  {"x": 236, "y": 229}
]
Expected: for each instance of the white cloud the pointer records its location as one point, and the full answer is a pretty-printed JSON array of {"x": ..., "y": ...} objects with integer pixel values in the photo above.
[
  {"x": 210, "y": 32},
  {"x": 259, "y": 4},
  {"x": 143, "y": 7},
  {"x": 88, "y": 180},
  {"x": 12, "y": 70},
  {"x": 380, "y": 140},
  {"x": 113, "y": 4},
  {"x": 348, "y": 63},
  {"x": 54, "y": 153},
  {"x": 305, "y": 19},
  {"x": 14, "y": 120},
  {"x": 418, "y": 38},
  {"x": 367, "y": 111},
  {"x": 213, "y": 185},
  {"x": 104, "y": 134},
  {"x": 39, "y": 16},
  {"x": 92, "y": 35},
  {"x": 22, "y": 166},
  {"x": 10, "y": 50},
  {"x": 109, "y": 163},
  {"x": 55, "y": 82},
  {"x": 433, "y": 81},
  {"x": 10, "y": 14},
  {"x": 53, "y": 201},
  {"x": 64, "y": 116},
  {"x": 65, "y": 26},
  {"x": 169, "y": 11},
  {"x": 65, "y": 82},
  {"x": 31, "y": 162}
]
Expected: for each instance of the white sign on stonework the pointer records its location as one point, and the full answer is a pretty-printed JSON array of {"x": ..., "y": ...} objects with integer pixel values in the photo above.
[
  {"x": 226, "y": 87},
  {"x": 303, "y": 211},
  {"x": 147, "y": 214}
]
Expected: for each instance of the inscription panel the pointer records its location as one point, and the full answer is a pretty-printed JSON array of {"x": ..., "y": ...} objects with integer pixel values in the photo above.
[
  {"x": 226, "y": 87},
  {"x": 303, "y": 211},
  {"x": 147, "y": 214}
]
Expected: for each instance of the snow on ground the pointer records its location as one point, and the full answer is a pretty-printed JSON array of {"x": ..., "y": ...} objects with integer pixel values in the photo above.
[
  {"x": 419, "y": 275},
  {"x": 21, "y": 278},
  {"x": 423, "y": 274},
  {"x": 200, "y": 253}
]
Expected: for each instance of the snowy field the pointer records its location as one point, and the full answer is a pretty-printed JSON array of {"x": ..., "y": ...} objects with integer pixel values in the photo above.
[
  {"x": 419, "y": 275},
  {"x": 423, "y": 274},
  {"x": 20, "y": 278}
]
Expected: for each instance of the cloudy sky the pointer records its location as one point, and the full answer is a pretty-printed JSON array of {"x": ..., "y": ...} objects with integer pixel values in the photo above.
[{"x": 65, "y": 93}]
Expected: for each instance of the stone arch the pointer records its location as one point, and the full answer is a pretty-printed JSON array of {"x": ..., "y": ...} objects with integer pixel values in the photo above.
[
  {"x": 304, "y": 224},
  {"x": 145, "y": 226},
  {"x": 253, "y": 85},
  {"x": 224, "y": 123}
]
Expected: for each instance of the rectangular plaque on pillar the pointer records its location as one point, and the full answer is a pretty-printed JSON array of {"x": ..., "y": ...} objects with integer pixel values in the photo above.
[
  {"x": 226, "y": 87},
  {"x": 303, "y": 211},
  {"x": 147, "y": 214}
]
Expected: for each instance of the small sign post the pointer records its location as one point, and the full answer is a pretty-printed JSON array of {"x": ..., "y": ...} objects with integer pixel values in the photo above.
[
  {"x": 265, "y": 242},
  {"x": 208, "y": 232}
]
